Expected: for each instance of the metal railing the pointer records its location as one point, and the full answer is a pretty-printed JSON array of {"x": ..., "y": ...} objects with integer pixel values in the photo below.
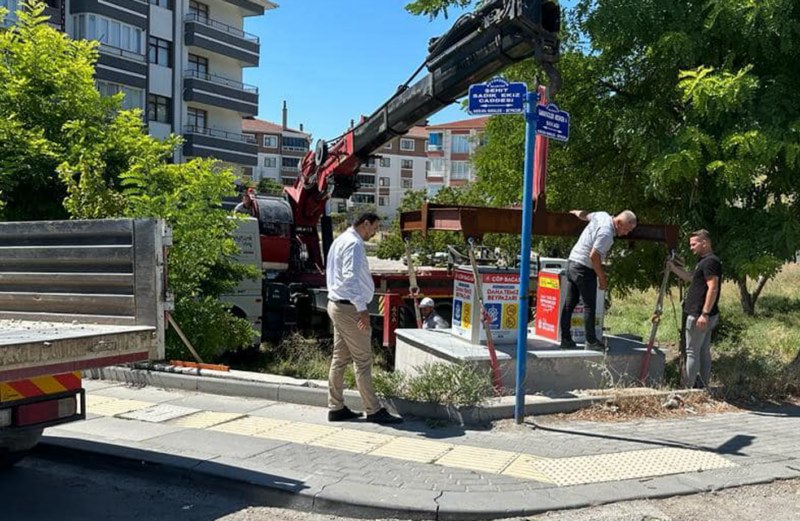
[
  {"x": 109, "y": 49},
  {"x": 220, "y": 80},
  {"x": 222, "y": 134},
  {"x": 196, "y": 17}
]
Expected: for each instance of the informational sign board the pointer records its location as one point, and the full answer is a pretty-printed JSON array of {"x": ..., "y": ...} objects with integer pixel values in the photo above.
[
  {"x": 501, "y": 297},
  {"x": 550, "y": 296},
  {"x": 497, "y": 97},
  {"x": 551, "y": 122}
]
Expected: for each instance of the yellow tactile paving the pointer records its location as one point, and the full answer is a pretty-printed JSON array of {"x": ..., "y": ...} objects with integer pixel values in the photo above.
[
  {"x": 114, "y": 406},
  {"x": 629, "y": 465},
  {"x": 204, "y": 419},
  {"x": 413, "y": 449},
  {"x": 526, "y": 466},
  {"x": 299, "y": 432},
  {"x": 249, "y": 425},
  {"x": 360, "y": 442},
  {"x": 95, "y": 399},
  {"x": 476, "y": 458}
]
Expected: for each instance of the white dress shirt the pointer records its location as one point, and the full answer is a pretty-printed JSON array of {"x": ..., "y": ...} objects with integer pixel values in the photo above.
[
  {"x": 598, "y": 235},
  {"x": 347, "y": 273}
]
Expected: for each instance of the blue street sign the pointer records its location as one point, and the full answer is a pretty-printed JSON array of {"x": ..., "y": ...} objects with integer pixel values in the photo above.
[
  {"x": 552, "y": 122},
  {"x": 497, "y": 97}
]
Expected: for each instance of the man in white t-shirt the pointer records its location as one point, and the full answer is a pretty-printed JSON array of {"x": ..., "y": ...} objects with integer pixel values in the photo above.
[{"x": 585, "y": 270}]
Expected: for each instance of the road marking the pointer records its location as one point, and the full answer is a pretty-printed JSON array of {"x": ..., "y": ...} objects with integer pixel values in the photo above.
[
  {"x": 204, "y": 419},
  {"x": 360, "y": 442},
  {"x": 115, "y": 406},
  {"x": 159, "y": 413},
  {"x": 413, "y": 449},
  {"x": 477, "y": 458},
  {"x": 597, "y": 468}
]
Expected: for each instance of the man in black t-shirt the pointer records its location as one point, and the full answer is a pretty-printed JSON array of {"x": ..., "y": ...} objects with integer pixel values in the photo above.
[{"x": 700, "y": 309}]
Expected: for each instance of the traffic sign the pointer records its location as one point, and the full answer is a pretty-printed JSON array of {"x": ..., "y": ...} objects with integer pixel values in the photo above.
[
  {"x": 497, "y": 97},
  {"x": 552, "y": 122}
]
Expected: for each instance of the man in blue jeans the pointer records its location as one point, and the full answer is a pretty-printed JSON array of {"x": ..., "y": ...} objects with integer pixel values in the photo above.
[
  {"x": 585, "y": 270},
  {"x": 700, "y": 308}
]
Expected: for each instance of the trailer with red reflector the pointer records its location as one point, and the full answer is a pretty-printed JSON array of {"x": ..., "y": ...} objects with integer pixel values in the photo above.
[{"x": 74, "y": 295}]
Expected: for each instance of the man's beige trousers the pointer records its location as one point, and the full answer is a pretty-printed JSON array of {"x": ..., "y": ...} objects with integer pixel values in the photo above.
[{"x": 350, "y": 344}]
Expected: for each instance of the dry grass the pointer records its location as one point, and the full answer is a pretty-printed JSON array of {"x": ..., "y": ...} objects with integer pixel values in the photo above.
[{"x": 626, "y": 406}]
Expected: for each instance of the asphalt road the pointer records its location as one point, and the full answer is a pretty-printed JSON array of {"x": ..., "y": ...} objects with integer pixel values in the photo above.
[{"x": 54, "y": 486}]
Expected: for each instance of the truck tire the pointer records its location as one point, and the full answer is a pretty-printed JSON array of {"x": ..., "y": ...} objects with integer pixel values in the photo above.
[{"x": 15, "y": 446}]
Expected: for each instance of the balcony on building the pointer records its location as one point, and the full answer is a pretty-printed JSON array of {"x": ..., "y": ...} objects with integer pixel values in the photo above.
[
  {"x": 219, "y": 91},
  {"x": 221, "y": 38},
  {"x": 240, "y": 149}
]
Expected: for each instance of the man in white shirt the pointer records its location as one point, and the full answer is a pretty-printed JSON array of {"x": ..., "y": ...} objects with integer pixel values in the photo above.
[
  {"x": 350, "y": 290},
  {"x": 585, "y": 273},
  {"x": 430, "y": 318}
]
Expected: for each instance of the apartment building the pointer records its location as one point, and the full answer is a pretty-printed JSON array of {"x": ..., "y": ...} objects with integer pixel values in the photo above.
[
  {"x": 180, "y": 61},
  {"x": 399, "y": 166},
  {"x": 450, "y": 148},
  {"x": 280, "y": 149}
]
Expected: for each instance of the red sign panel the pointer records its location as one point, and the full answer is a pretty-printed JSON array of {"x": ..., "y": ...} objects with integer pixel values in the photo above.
[{"x": 548, "y": 302}]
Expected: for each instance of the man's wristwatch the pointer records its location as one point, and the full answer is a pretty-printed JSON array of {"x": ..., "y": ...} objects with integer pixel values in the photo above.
[{"x": 704, "y": 314}]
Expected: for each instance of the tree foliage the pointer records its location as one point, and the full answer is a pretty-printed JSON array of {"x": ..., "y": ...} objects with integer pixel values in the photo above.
[
  {"x": 684, "y": 111},
  {"x": 269, "y": 186},
  {"x": 65, "y": 150}
]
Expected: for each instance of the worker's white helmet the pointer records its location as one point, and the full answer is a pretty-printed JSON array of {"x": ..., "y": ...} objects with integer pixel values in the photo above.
[{"x": 427, "y": 302}]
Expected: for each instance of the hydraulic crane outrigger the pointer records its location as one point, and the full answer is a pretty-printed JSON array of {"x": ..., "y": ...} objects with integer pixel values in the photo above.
[{"x": 480, "y": 44}]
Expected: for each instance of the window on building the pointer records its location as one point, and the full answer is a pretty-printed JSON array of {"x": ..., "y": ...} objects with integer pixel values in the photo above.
[
  {"x": 407, "y": 144},
  {"x": 159, "y": 51},
  {"x": 407, "y": 184},
  {"x": 271, "y": 141},
  {"x": 197, "y": 118},
  {"x": 387, "y": 146},
  {"x": 386, "y": 162},
  {"x": 363, "y": 198},
  {"x": 288, "y": 181},
  {"x": 369, "y": 163},
  {"x": 406, "y": 164},
  {"x": 107, "y": 31},
  {"x": 459, "y": 170},
  {"x": 436, "y": 167},
  {"x": 198, "y": 9},
  {"x": 366, "y": 181},
  {"x": 271, "y": 162},
  {"x": 383, "y": 201},
  {"x": 166, "y": 4},
  {"x": 435, "y": 140},
  {"x": 248, "y": 137},
  {"x": 198, "y": 64},
  {"x": 290, "y": 163},
  {"x": 385, "y": 181},
  {"x": 159, "y": 108},
  {"x": 295, "y": 143},
  {"x": 459, "y": 145},
  {"x": 134, "y": 98}
]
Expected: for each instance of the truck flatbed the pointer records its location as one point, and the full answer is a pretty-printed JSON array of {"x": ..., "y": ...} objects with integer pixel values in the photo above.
[{"x": 30, "y": 348}]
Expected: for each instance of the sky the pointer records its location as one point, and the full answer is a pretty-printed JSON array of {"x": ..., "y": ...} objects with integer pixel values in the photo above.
[{"x": 335, "y": 60}]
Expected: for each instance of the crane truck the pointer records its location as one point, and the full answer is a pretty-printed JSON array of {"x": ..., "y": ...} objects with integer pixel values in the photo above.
[{"x": 478, "y": 46}]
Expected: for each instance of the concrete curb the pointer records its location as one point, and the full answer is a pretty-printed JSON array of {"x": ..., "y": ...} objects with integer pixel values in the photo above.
[
  {"x": 499, "y": 409},
  {"x": 336, "y": 497}
]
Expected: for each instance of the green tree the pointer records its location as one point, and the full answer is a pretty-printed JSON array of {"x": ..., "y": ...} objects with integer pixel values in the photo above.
[
  {"x": 268, "y": 186},
  {"x": 683, "y": 111},
  {"x": 65, "y": 150}
]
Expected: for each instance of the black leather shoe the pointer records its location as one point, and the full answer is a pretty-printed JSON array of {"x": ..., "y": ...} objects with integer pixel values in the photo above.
[
  {"x": 594, "y": 346},
  {"x": 568, "y": 344},
  {"x": 342, "y": 415},
  {"x": 384, "y": 417}
]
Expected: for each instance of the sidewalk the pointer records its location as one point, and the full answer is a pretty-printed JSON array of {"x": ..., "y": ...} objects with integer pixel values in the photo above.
[{"x": 417, "y": 470}]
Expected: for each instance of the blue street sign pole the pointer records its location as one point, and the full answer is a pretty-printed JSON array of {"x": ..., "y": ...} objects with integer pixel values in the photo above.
[{"x": 525, "y": 253}]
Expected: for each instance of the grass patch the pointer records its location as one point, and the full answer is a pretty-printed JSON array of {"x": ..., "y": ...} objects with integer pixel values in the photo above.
[{"x": 755, "y": 357}]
